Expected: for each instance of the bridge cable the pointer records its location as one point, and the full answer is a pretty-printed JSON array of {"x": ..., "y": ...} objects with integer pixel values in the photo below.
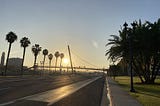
[{"x": 82, "y": 59}]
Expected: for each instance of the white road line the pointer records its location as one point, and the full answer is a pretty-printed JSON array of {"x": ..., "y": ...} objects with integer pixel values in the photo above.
[
  {"x": 4, "y": 88},
  {"x": 109, "y": 93},
  {"x": 18, "y": 80},
  {"x": 52, "y": 96}
]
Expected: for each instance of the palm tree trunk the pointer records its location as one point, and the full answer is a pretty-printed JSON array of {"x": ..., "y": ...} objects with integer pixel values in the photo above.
[
  {"x": 5, "y": 73},
  {"x": 49, "y": 64},
  {"x": 55, "y": 64},
  {"x": 61, "y": 66},
  {"x": 35, "y": 59},
  {"x": 44, "y": 61},
  {"x": 24, "y": 51}
]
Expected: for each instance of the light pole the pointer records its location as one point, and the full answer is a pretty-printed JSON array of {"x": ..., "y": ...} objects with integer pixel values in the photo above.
[{"x": 130, "y": 53}]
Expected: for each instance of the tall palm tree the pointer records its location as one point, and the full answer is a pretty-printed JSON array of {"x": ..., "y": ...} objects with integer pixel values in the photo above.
[
  {"x": 61, "y": 56},
  {"x": 45, "y": 52},
  {"x": 56, "y": 55},
  {"x": 10, "y": 37},
  {"x": 36, "y": 50},
  {"x": 50, "y": 57},
  {"x": 25, "y": 42},
  {"x": 144, "y": 40}
]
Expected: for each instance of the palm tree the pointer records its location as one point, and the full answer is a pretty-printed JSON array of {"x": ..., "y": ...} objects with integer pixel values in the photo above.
[
  {"x": 35, "y": 49},
  {"x": 10, "y": 37},
  {"x": 50, "y": 57},
  {"x": 146, "y": 52},
  {"x": 45, "y": 52},
  {"x": 24, "y": 43},
  {"x": 61, "y": 56},
  {"x": 56, "y": 55}
]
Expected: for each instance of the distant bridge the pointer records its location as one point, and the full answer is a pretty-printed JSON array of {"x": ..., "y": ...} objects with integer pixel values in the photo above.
[
  {"x": 86, "y": 68},
  {"x": 71, "y": 65}
]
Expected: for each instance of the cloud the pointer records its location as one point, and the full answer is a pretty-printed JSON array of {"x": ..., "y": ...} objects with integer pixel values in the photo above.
[{"x": 95, "y": 44}]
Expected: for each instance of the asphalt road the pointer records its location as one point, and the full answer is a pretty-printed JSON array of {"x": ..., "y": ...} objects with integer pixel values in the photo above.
[
  {"x": 89, "y": 95},
  {"x": 13, "y": 88}
]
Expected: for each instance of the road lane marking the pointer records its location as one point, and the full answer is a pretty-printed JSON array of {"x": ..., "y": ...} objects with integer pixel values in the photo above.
[
  {"x": 54, "y": 95},
  {"x": 4, "y": 88},
  {"x": 7, "y": 103},
  {"x": 18, "y": 80},
  {"x": 109, "y": 93}
]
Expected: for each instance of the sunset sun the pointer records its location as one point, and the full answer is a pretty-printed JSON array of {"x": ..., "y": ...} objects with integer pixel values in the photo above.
[{"x": 65, "y": 61}]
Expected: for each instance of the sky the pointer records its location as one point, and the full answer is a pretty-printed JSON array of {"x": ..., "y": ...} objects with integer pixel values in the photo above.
[{"x": 85, "y": 25}]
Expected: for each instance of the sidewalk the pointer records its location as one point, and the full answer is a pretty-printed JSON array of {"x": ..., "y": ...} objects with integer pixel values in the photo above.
[{"x": 119, "y": 97}]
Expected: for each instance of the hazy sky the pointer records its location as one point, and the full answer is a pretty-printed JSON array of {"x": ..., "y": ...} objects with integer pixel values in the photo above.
[{"x": 85, "y": 25}]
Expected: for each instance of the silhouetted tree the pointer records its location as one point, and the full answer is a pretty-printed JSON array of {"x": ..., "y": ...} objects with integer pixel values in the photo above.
[
  {"x": 56, "y": 55},
  {"x": 45, "y": 52},
  {"x": 61, "y": 56},
  {"x": 25, "y": 42},
  {"x": 146, "y": 51},
  {"x": 113, "y": 70},
  {"x": 50, "y": 57},
  {"x": 10, "y": 37},
  {"x": 35, "y": 49}
]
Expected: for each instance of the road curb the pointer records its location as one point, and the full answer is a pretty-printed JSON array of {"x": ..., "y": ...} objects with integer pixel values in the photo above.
[
  {"x": 109, "y": 93},
  {"x": 104, "y": 100},
  {"x": 118, "y": 96}
]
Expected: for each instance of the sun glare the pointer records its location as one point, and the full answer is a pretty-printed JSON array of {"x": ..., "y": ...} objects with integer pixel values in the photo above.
[{"x": 65, "y": 61}]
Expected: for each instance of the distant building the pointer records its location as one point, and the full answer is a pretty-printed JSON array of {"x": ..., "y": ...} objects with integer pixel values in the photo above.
[
  {"x": 2, "y": 58},
  {"x": 15, "y": 63}
]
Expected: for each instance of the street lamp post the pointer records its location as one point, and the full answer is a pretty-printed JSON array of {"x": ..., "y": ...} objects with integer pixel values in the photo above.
[{"x": 130, "y": 54}]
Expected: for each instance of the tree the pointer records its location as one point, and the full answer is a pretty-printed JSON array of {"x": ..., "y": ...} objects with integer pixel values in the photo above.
[
  {"x": 113, "y": 70},
  {"x": 10, "y": 37},
  {"x": 56, "y": 55},
  {"x": 50, "y": 57},
  {"x": 146, "y": 51},
  {"x": 45, "y": 52},
  {"x": 61, "y": 56},
  {"x": 25, "y": 42},
  {"x": 36, "y": 50},
  {"x": 122, "y": 67}
]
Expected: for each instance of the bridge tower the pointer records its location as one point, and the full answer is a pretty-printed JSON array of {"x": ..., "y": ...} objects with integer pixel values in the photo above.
[{"x": 70, "y": 58}]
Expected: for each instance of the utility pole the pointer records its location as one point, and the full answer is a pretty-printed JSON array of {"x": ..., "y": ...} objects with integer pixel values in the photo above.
[{"x": 70, "y": 58}]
